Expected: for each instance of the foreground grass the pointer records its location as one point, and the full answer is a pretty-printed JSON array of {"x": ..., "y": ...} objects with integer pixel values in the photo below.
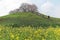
[{"x": 29, "y": 33}]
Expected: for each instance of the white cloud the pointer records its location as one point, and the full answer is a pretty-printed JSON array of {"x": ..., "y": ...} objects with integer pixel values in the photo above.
[
  {"x": 8, "y": 5},
  {"x": 46, "y": 7},
  {"x": 49, "y": 9},
  {"x": 56, "y": 12}
]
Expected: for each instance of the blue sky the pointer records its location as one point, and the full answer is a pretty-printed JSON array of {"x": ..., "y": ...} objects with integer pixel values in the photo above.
[{"x": 47, "y": 7}]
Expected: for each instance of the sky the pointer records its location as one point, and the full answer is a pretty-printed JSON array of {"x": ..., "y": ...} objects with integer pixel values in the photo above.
[{"x": 47, "y": 7}]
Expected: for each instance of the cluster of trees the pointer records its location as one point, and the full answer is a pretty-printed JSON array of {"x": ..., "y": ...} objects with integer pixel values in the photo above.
[{"x": 25, "y": 7}]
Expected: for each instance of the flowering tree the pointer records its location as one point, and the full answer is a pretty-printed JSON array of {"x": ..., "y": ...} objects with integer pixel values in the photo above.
[
  {"x": 25, "y": 7},
  {"x": 28, "y": 7}
]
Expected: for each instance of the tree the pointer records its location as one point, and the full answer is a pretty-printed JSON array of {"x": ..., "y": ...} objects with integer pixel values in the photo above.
[
  {"x": 28, "y": 7},
  {"x": 34, "y": 8},
  {"x": 14, "y": 11},
  {"x": 25, "y": 7},
  {"x": 48, "y": 17}
]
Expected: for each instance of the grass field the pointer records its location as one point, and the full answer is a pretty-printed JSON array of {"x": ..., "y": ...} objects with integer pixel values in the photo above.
[
  {"x": 28, "y": 18},
  {"x": 29, "y": 33}
]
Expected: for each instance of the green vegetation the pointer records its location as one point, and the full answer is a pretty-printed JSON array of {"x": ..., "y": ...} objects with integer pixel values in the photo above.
[
  {"x": 29, "y": 26},
  {"x": 29, "y": 33},
  {"x": 28, "y": 19}
]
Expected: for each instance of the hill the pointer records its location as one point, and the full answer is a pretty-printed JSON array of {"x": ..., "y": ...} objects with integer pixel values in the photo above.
[{"x": 28, "y": 19}]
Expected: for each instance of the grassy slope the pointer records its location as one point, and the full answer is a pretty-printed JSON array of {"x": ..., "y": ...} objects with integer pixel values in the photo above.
[{"x": 26, "y": 19}]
